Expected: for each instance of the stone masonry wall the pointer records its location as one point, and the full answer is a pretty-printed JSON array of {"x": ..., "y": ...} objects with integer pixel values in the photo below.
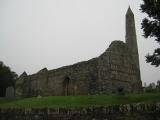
[
  {"x": 107, "y": 73},
  {"x": 112, "y": 70},
  {"x": 117, "y": 69},
  {"x": 116, "y": 112},
  {"x": 80, "y": 78}
]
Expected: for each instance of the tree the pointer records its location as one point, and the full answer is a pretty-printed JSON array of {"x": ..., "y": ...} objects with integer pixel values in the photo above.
[
  {"x": 151, "y": 27},
  {"x": 7, "y": 78},
  {"x": 158, "y": 85}
]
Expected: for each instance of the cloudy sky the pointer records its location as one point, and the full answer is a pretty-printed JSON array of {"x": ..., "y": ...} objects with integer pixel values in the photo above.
[{"x": 52, "y": 33}]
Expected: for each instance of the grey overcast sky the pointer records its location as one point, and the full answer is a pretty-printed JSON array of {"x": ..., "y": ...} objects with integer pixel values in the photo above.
[{"x": 52, "y": 33}]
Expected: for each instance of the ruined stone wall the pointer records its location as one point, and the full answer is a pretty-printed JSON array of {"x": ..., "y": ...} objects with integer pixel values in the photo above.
[
  {"x": 81, "y": 77},
  {"x": 117, "y": 69},
  {"x": 77, "y": 79},
  {"x": 115, "y": 112},
  {"x": 112, "y": 70}
]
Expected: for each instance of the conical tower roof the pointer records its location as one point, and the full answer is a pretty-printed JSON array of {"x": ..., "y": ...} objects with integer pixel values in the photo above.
[{"x": 129, "y": 12}]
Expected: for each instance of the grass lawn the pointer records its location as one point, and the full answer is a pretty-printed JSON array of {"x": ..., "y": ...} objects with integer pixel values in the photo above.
[{"x": 79, "y": 101}]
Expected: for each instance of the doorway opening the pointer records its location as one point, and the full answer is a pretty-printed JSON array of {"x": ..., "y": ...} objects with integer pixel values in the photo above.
[{"x": 66, "y": 86}]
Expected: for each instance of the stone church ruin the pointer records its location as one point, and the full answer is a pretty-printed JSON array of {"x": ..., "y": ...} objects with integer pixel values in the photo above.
[{"x": 117, "y": 68}]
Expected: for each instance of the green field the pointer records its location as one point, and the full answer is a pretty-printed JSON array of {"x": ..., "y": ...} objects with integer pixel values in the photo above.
[{"x": 79, "y": 101}]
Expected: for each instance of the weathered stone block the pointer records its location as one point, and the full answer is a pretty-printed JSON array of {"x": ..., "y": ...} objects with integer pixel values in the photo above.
[{"x": 10, "y": 94}]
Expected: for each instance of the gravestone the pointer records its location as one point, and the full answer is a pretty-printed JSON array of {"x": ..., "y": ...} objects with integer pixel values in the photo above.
[{"x": 10, "y": 92}]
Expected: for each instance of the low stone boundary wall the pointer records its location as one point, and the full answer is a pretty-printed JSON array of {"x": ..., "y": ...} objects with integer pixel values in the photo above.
[{"x": 115, "y": 112}]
